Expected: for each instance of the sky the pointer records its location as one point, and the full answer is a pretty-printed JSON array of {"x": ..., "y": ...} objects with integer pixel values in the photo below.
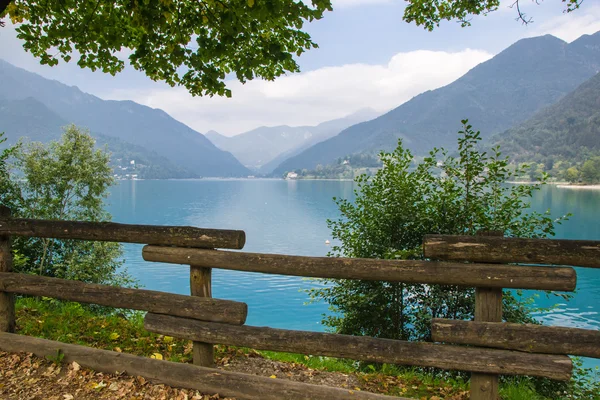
[{"x": 367, "y": 58}]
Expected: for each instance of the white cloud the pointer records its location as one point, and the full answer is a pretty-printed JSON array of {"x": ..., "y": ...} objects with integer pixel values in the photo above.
[
  {"x": 570, "y": 26},
  {"x": 314, "y": 96}
]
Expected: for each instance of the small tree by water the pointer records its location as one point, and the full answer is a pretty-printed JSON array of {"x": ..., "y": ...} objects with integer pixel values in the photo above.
[
  {"x": 64, "y": 180},
  {"x": 404, "y": 201}
]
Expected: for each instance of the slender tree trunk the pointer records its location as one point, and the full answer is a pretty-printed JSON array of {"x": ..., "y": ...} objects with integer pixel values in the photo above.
[
  {"x": 396, "y": 311},
  {"x": 402, "y": 327},
  {"x": 44, "y": 253}
]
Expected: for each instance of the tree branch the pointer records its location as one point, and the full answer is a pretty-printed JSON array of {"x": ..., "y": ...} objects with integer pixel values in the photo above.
[
  {"x": 3, "y": 5},
  {"x": 522, "y": 16}
]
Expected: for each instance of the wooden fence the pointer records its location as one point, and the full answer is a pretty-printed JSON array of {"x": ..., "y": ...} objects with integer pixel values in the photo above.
[{"x": 494, "y": 347}]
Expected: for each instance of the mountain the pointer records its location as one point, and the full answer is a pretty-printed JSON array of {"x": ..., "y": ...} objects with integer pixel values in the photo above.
[
  {"x": 138, "y": 125},
  {"x": 30, "y": 120},
  {"x": 216, "y": 138},
  {"x": 365, "y": 114},
  {"x": 262, "y": 149},
  {"x": 569, "y": 129},
  {"x": 494, "y": 96}
]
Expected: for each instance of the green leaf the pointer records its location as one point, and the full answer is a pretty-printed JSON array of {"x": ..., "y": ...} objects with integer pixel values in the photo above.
[{"x": 251, "y": 40}]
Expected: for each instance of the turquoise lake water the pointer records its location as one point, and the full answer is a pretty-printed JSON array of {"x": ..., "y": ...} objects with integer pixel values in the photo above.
[{"x": 289, "y": 217}]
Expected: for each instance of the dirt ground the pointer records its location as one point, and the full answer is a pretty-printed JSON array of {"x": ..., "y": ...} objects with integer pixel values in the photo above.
[
  {"x": 295, "y": 372},
  {"x": 24, "y": 376}
]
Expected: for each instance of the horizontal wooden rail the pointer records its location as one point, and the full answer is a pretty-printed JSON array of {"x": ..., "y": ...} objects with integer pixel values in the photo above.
[
  {"x": 408, "y": 271},
  {"x": 184, "y": 236},
  {"x": 206, "y": 380},
  {"x": 365, "y": 348},
  {"x": 523, "y": 337},
  {"x": 581, "y": 253},
  {"x": 226, "y": 311}
]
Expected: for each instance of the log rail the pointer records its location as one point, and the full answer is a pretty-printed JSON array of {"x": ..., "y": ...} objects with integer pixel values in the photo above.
[
  {"x": 580, "y": 253},
  {"x": 206, "y": 309},
  {"x": 184, "y": 236},
  {"x": 494, "y": 348},
  {"x": 365, "y": 348},
  {"x": 407, "y": 271},
  {"x": 528, "y": 338}
]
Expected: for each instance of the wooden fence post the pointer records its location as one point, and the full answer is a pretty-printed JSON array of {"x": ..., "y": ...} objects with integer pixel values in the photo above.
[
  {"x": 200, "y": 285},
  {"x": 488, "y": 308},
  {"x": 7, "y": 301}
]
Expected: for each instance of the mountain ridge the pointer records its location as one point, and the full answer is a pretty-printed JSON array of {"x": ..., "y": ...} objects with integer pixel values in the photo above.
[
  {"x": 28, "y": 120},
  {"x": 265, "y": 147},
  {"x": 568, "y": 129},
  {"x": 494, "y": 95},
  {"x": 152, "y": 129}
]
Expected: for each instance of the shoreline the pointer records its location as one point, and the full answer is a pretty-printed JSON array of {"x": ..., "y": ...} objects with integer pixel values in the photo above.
[
  {"x": 579, "y": 187},
  {"x": 562, "y": 185}
]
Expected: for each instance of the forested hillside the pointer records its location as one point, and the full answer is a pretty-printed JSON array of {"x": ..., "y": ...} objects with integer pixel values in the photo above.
[
  {"x": 495, "y": 95},
  {"x": 145, "y": 127},
  {"x": 30, "y": 120},
  {"x": 562, "y": 136}
]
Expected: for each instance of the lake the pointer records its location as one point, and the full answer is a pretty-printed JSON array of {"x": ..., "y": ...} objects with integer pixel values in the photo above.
[{"x": 289, "y": 217}]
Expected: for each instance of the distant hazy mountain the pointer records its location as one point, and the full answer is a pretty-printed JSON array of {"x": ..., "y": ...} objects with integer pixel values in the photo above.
[
  {"x": 152, "y": 129},
  {"x": 569, "y": 129},
  {"x": 494, "y": 96},
  {"x": 30, "y": 120},
  {"x": 262, "y": 149}
]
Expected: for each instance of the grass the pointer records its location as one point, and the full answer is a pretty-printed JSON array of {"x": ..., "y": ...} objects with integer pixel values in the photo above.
[
  {"x": 520, "y": 391},
  {"x": 73, "y": 323},
  {"x": 124, "y": 332}
]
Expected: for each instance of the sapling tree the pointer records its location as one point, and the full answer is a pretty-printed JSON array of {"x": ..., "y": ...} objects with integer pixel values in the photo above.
[
  {"x": 403, "y": 202},
  {"x": 64, "y": 180}
]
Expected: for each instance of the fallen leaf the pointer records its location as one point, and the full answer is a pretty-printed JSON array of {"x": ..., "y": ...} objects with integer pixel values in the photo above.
[{"x": 100, "y": 385}]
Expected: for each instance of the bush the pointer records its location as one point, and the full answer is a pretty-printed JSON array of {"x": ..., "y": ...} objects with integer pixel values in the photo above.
[{"x": 402, "y": 203}]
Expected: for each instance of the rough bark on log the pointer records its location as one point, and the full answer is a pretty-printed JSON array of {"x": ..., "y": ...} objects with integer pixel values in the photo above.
[
  {"x": 580, "y": 253},
  {"x": 226, "y": 311},
  {"x": 201, "y": 286},
  {"x": 7, "y": 301},
  {"x": 488, "y": 307},
  {"x": 364, "y": 348},
  {"x": 206, "y": 380},
  {"x": 184, "y": 236},
  {"x": 408, "y": 271},
  {"x": 522, "y": 337}
]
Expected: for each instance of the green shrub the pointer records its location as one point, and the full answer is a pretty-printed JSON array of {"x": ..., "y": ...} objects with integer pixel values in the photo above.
[{"x": 403, "y": 202}]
